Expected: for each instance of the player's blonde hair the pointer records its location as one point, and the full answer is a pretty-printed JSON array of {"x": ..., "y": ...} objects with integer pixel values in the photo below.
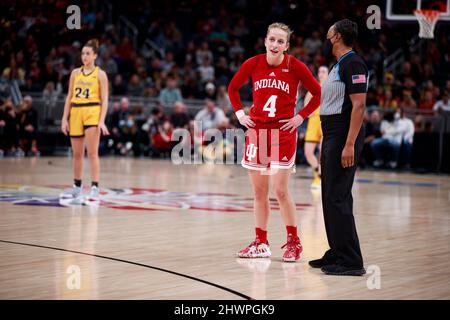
[{"x": 282, "y": 26}]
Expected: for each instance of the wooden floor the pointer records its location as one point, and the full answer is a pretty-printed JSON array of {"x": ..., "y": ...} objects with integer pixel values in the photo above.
[{"x": 170, "y": 232}]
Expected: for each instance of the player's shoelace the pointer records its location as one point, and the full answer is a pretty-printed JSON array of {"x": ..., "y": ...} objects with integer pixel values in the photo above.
[
  {"x": 256, "y": 245},
  {"x": 253, "y": 244},
  {"x": 292, "y": 245}
]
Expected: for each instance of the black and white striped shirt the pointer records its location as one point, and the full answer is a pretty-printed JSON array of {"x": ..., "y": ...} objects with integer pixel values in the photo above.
[{"x": 348, "y": 76}]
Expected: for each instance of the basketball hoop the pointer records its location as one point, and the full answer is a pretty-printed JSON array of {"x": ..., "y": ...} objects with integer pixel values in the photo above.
[{"x": 427, "y": 20}]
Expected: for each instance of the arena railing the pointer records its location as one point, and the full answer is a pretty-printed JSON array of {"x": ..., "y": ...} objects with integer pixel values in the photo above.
[
  {"x": 126, "y": 28},
  {"x": 49, "y": 115}
]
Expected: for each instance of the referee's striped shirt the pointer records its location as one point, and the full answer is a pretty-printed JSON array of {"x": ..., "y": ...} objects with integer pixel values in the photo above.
[{"x": 348, "y": 76}]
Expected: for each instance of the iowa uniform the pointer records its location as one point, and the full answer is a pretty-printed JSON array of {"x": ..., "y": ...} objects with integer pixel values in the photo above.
[
  {"x": 85, "y": 103},
  {"x": 274, "y": 97},
  {"x": 314, "y": 128}
]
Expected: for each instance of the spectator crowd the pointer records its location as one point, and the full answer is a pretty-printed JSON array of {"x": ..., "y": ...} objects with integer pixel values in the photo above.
[{"x": 199, "y": 51}]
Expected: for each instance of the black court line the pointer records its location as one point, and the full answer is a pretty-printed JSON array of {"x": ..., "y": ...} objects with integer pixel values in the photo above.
[{"x": 136, "y": 264}]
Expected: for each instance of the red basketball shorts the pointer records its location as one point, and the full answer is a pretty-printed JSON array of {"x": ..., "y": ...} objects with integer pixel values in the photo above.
[{"x": 269, "y": 149}]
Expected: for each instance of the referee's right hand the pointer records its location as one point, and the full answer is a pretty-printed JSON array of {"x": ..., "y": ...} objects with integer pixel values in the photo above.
[{"x": 348, "y": 156}]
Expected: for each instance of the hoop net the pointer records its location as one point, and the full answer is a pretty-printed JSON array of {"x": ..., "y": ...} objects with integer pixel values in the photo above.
[{"x": 427, "y": 21}]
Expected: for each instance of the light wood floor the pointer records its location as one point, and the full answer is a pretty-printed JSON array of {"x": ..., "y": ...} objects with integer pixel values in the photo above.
[{"x": 177, "y": 239}]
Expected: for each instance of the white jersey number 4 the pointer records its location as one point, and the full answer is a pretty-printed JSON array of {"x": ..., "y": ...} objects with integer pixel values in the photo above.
[{"x": 270, "y": 106}]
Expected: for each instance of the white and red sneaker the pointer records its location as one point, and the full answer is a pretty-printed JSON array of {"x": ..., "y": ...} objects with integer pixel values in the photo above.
[
  {"x": 293, "y": 249},
  {"x": 256, "y": 249}
]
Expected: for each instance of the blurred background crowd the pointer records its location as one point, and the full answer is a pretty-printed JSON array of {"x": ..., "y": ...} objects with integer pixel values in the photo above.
[{"x": 169, "y": 63}]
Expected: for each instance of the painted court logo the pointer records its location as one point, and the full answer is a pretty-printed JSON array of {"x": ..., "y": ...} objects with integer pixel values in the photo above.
[{"x": 135, "y": 199}]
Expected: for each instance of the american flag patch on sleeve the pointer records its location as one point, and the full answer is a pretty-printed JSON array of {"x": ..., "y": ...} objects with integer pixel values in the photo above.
[{"x": 359, "y": 78}]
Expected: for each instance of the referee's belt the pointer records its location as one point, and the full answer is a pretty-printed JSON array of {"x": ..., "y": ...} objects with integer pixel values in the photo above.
[{"x": 88, "y": 104}]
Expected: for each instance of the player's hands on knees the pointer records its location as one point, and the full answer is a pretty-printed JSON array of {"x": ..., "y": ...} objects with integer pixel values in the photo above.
[
  {"x": 292, "y": 123},
  {"x": 103, "y": 129},
  {"x": 244, "y": 119},
  {"x": 65, "y": 127},
  {"x": 348, "y": 156}
]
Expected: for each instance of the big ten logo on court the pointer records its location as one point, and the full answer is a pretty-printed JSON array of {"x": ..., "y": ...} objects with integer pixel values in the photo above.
[
  {"x": 374, "y": 19},
  {"x": 374, "y": 280},
  {"x": 74, "y": 19},
  {"x": 74, "y": 277}
]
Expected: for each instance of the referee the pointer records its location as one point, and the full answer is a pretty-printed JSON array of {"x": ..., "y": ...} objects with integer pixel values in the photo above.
[{"x": 342, "y": 109}]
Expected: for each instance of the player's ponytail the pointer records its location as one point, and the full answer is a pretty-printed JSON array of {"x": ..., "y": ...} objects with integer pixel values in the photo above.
[{"x": 93, "y": 43}]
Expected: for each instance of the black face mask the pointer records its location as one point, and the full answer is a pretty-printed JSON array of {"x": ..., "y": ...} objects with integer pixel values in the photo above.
[{"x": 328, "y": 49}]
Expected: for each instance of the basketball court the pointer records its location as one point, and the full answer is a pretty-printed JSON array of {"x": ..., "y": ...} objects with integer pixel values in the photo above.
[
  {"x": 167, "y": 231},
  {"x": 164, "y": 231}
]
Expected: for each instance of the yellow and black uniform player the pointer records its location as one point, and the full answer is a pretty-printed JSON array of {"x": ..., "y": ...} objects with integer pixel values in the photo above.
[
  {"x": 314, "y": 129},
  {"x": 313, "y": 136},
  {"x": 85, "y": 103},
  {"x": 84, "y": 119}
]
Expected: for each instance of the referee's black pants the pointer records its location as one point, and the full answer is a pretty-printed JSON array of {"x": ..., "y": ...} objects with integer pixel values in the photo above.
[{"x": 337, "y": 200}]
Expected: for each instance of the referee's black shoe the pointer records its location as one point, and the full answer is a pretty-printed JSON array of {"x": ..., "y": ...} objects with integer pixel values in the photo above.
[
  {"x": 319, "y": 263},
  {"x": 338, "y": 270}
]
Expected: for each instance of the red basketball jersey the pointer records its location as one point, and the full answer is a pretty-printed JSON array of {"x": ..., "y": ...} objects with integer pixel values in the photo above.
[{"x": 274, "y": 89}]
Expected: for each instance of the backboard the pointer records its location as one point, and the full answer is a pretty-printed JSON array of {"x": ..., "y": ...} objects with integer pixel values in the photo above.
[{"x": 403, "y": 10}]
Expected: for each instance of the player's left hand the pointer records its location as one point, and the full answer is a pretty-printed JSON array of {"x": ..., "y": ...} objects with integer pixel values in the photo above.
[
  {"x": 292, "y": 123},
  {"x": 103, "y": 129},
  {"x": 348, "y": 156}
]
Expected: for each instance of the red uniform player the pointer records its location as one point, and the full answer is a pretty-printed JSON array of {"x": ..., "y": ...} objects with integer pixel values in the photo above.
[{"x": 271, "y": 140}]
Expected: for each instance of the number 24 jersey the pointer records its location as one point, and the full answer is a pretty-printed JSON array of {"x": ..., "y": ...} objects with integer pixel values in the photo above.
[{"x": 86, "y": 87}]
